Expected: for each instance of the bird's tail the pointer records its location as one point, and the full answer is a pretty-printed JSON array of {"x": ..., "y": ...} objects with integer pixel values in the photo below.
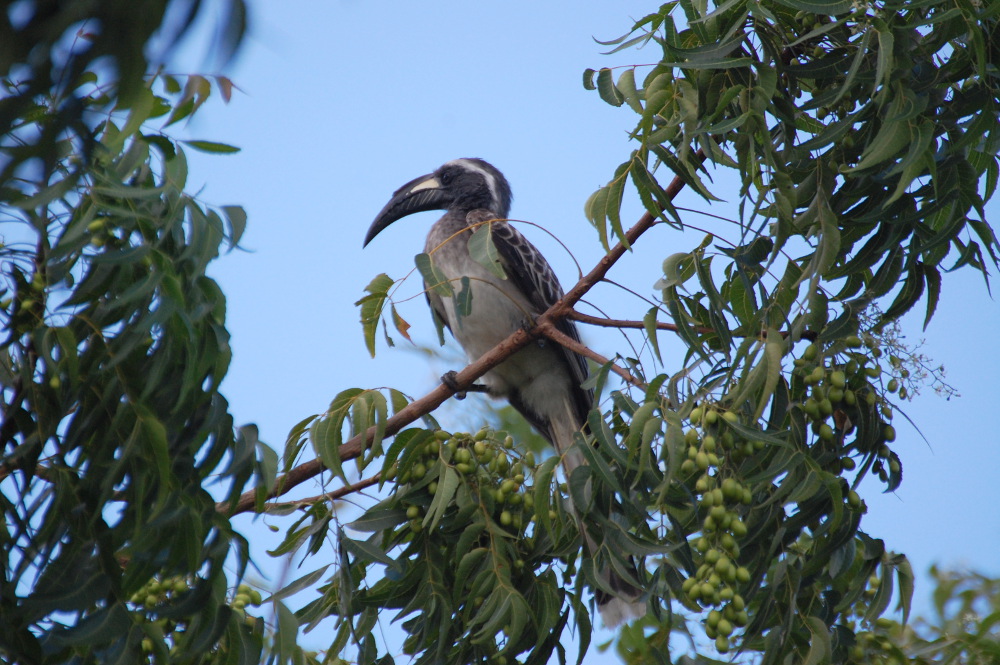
[{"x": 624, "y": 601}]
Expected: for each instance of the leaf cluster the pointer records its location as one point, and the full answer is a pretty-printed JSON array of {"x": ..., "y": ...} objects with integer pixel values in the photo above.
[
  {"x": 48, "y": 50},
  {"x": 114, "y": 346}
]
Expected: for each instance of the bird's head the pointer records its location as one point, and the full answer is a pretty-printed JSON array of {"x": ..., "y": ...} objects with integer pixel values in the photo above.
[{"x": 459, "y": 186}]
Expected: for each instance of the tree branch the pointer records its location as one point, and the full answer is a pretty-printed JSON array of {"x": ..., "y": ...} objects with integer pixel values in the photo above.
[
  {"x": 660, "y": 325},
  {"x": 517, "y": 340},
  {"x": 559, "y": 337},
  {"x": 329, "y": 496}
]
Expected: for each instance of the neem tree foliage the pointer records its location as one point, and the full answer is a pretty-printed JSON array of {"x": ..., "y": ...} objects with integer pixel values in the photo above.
[
  {"x": 114, "y": 345},
  {"x": 865, "y": 139}
]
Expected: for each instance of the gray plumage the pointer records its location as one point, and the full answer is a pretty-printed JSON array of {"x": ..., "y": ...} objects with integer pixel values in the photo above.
[{"x": 542, "y": 380}]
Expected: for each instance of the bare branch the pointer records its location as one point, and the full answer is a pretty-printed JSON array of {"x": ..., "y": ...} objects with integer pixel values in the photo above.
[
  {"x": 623, "y": 323},
  {"x": 672, "y": 327},
  {"x": 329, "y": 496},
  {"x": 562, "y": 338}
]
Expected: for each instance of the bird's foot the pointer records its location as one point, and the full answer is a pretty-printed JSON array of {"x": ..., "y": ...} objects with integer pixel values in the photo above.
[
  {"x": 528, "y": 326},
  {"x": 450, "y": 379}
]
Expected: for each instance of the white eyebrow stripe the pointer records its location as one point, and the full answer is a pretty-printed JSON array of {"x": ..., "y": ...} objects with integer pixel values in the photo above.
[{"x": 491, "y": 181}]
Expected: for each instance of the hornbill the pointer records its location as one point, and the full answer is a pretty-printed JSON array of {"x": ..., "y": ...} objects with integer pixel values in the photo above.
[{"x": 543, "y": 380}]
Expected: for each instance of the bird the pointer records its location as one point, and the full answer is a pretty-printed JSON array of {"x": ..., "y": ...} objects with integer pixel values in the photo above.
[{"x": 542, "y": 381}]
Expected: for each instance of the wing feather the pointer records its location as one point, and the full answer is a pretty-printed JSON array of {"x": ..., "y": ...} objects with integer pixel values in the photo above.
[{"x": 533, "y": 276}]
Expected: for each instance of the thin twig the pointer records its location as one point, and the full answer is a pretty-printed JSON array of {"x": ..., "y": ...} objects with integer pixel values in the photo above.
[
  {"x": 672, "y": 327},
  {"x": 563, "y": 339},
  {"x": 329, "y": 496}
]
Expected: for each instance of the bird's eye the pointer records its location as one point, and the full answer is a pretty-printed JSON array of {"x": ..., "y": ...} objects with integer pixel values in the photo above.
[{"x": 447, "y": 176}]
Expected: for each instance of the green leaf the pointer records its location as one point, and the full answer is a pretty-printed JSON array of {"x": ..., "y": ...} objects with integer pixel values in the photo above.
[
  {"x": 366, "y": 551},
  {"x": 371, "y": 308},
  {"x": 102, "y": 626},
  {"x": 447, "y": 485},
  {"x": 649, "y": 324},
  {"x": 820, "y": 647},
  {"x": 484, "y": 252},
  {"x": 433, "y": 278},
  {"x": 825, "y": 7},
  {"x": 379, "y": 519},
  {"x": 307, "y": 581},
  {"x": 212, "y": 147},
  {"x": 606, "y": 88},
  {"x": 463, "y": 299},
  {"x": 326, "y": 433},
  {"x": 588, "y": 79},
  {"x": 626, "y": 86},
  {"x": 236, "y": 217}
]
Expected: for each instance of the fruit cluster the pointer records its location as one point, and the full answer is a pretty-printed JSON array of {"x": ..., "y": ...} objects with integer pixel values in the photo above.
[
  {"x": 711, "y": 445},
  {"x": 836, "y": 390},
  {"x": 487, "y": 461},
  {"x": 157, "y": 591}
]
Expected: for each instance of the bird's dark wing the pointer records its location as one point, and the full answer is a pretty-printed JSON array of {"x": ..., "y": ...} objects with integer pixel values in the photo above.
[{"x": 528, "y": 270}]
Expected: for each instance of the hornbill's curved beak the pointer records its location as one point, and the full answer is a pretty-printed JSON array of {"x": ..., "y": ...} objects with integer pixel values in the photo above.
[{"x": 418, "y": 195}]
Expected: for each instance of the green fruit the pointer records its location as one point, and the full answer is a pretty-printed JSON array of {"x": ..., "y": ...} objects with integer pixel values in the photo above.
[
  {"x": 701, "y": 461},
  {"x": 506, "y": 518},
  {"x": 413, "y": 512},
  {"x": 810, "y": 353},
  {"x": 722, "y": 643},
  {"x": 709, "y": 443},
  {"x": 825, "y": 432},
  {"x": 889, "y": 433},
  {"x": 892, "y": 386},
  {"x": 852, "y": 341},
  {"x": 730, "y": 417},
  {"x": 711, "y": 417},
  {"x": 725, "y": 628},
  {"x": 696, "y": 414}
]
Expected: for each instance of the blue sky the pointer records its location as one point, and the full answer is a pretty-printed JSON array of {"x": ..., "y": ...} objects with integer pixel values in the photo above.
[{"x": 344, "y": 101}]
